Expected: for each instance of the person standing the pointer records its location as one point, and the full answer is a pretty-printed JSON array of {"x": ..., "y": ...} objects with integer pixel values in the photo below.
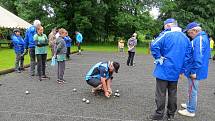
[
  {"x": 132, "y": 42},
  {"x": 60, "y": 54},
  {"x": 19, "y": 46},
  {"x": 41, "y": 42},
  {"x": 197, "y": 68},
  {"x": 79, "y": 39},
  {"x": 211, "y": 45},
  {"x": 30, "y": 44},
  {"x": 52, "y": 40},
  {"x": 68, "y": 41},
  {"x": 170, "y": 50}
]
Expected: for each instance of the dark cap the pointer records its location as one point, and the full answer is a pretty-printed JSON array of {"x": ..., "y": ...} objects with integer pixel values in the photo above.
[
  {"x": 116, "y": 66},
  {"x": 191, "y": 25},
  {"x": 16, "y": 30}
]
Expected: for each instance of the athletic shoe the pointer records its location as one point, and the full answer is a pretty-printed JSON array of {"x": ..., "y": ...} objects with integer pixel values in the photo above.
[
  {"x": 155, "y": 118},
  {"x": 59, "y": 81},
  {"x": 186, "y": 113},
  {"x": 170, "y": 117},
  {"x": 45, "y": 77},
  {"x": 184, "y": 106}
]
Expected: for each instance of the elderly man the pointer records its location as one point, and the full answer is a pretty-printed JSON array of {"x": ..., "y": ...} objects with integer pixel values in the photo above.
[
  {"x": 170, "y": 50},
  {"x": 197, "y": 68},
  {"x": 30, "y": 43}
]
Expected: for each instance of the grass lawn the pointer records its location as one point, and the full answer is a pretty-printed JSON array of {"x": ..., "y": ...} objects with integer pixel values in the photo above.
[{"x": 7, "y": 56}]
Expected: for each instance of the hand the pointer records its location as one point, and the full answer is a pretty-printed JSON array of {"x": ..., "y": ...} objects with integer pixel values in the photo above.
[
  {"x": 181, "y": 77},
  {"x": 107, "y": 94},
  {"x": 193, "y": 76},
  {"x": 110, "y": 91},
  {"x": 159, "y": 60},
  {"x": 26, "y": 52}
]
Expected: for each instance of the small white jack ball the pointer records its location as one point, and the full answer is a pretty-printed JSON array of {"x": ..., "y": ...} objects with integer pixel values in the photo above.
[
  {"x": 87, "y": 101},
  {"x": 27, "y": 92},
  {"x": 84, "y": 99},
  {"x": 74, "y": 90}
]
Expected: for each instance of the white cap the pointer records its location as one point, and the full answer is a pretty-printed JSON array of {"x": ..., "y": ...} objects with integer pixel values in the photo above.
[
  {"x": 37, "y": 22},
  {"x": 134, "y": 35}
]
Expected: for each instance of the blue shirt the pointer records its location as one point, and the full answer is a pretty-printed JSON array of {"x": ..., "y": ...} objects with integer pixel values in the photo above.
[
  {"x": 98, "y": 70},
  {"x": 68, "y": 41},
  {"x": 79, "y": 38}
]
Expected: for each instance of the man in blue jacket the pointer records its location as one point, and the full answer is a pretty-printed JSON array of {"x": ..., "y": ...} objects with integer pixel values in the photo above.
[
  {"x": 100, "y": 76},
  {"x": 170, "y": 51},
  {"x": 18, "y": 45},
  {"x": 79, "y": 39},
  {"x": 197, "y": 68},
  {"x": 68, "y": 41},
  {"x": 30, "y": 43}
]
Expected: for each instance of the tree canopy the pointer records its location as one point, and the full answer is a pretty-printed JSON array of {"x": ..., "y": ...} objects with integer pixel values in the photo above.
[{"x": 105, "y": 20}]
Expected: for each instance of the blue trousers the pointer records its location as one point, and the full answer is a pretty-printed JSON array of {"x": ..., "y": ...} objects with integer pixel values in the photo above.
[{"x": 193, "y": 87}]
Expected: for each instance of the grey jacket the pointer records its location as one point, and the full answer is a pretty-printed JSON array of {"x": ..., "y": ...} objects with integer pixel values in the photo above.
[
  {"x": 132, "y": 42},
  {"x": 60, "y": 46}
]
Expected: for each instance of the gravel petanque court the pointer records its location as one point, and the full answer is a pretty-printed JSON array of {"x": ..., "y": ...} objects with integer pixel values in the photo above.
[{"x": 49, "y": 101}]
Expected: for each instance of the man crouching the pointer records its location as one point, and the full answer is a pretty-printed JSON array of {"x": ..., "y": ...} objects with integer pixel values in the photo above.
[{"x": 100, "y": 76}]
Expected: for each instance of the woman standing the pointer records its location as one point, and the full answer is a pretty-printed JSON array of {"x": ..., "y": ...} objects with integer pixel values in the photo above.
[
  {"x": 60, "y": 54},
  {"x": 41, "y": 42},
  {"x": 132, "y": 42}
]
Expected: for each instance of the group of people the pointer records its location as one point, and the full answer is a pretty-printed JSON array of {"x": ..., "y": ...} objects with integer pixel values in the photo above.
[
  {"x": 178, "y": 52},
  {"x": 36, "y": 43}
]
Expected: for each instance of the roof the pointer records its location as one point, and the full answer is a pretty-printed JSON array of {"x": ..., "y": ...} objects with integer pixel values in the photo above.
[{"x": 10, "y": 20}]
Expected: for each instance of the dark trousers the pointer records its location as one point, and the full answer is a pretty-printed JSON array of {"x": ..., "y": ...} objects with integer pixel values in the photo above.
[
  {"x": 41, "y": 64},
  {"x": 162, "y": 87},
  {"x": 68, "y": 52},
  {"x": 32, "y": 60},
  {"x": 19, "y": 61},
  {"x": 79, "y": 46},
  {"x": 130, "y": 58},
  {"x": 60, "y": 70}
]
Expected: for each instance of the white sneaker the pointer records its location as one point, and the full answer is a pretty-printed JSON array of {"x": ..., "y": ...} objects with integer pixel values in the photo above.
[
  {"x": 184, "y": 106},
  {"x": 186, "y": 113}
]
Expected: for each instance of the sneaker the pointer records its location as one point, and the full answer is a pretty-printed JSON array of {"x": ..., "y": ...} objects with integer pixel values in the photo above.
[
  {"x": 40, "y": 78},
  {"x": 155, "y": 118},
  {"x": 186, "y": 113},
  {"x": 169, "y": 117},
  {"x": 59, "y": 81},
  {"x": 18, "y": 71},
  {"x": 45, "y": 77},
  {"x": 184, "y": 106}
]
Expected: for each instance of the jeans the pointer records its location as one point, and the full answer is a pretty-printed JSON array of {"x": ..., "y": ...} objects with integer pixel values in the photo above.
[
  {"x": 130, "y": 58},
  {"x": 192, "y": 95}
]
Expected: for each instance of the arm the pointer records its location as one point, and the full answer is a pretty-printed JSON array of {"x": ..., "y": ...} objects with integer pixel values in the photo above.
[
  {"x": 156, "y": 46},
  {"x": 188, "y": 56},
  {"x": 26, "y": 39},
  {"x": 197, "y": 55}
]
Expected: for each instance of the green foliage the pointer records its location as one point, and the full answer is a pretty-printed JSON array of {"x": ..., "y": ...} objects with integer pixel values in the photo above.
[
  {"x": 184, "y": 11},
  {"x": 104, "y": 21}
]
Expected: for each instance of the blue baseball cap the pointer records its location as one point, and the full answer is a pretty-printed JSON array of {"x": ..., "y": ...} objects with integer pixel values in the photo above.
[
  {"x": 169, "y": 20},
  {"x": 191, "y": 25}
]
